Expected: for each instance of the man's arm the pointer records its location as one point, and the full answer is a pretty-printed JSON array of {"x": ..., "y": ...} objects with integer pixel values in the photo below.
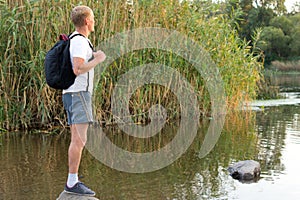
[{"x": 80, "y": 67}]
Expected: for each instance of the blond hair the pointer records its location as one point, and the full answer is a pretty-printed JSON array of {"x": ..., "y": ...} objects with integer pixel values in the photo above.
[{"x": 79, "y": 14}]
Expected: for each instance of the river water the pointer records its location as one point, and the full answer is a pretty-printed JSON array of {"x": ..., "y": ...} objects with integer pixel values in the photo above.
[{"x": 34, "y": 166}]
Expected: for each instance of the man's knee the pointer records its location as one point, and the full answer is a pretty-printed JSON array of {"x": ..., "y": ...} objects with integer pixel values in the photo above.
[
  {"x": 78, "y": 141},
  {"x": 79, "y": 136}
]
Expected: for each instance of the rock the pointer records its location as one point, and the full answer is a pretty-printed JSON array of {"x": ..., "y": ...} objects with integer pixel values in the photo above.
[
  {"x": 66, "y": 196},
  {"x": 246, "y": 170}
]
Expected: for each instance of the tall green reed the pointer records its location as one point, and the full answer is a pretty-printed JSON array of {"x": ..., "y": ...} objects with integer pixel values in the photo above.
[{"x": 30, "y": 28}]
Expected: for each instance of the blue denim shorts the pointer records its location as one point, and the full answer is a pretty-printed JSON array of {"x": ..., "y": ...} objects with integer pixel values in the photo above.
[{"x": 78, "y": 106}]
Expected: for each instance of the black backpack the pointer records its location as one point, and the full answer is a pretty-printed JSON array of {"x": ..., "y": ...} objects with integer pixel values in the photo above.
[{"x": 58, "y": 66}]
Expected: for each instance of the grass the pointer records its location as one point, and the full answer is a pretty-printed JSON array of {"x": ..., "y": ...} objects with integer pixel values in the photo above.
[
  {"x": 30, "y": 28},
  {"x": 286, "y": 67}
]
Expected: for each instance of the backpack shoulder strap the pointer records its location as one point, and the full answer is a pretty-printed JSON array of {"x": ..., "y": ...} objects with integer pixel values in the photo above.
[
  {"x": 82, "y": 36},
  {"x": 70, "y": 37}
]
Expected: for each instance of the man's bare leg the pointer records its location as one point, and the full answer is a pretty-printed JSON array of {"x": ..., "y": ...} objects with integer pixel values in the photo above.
[{"x": 78, "y": 141}]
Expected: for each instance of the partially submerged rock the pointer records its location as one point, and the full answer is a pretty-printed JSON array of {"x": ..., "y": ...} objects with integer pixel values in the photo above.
[
  {"x": 66, "y": 196},
  {"x": 246, "y": 170}
]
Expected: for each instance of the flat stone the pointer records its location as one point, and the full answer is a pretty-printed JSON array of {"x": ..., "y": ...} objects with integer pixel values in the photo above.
[
  {"x": 245, "y": 170},
  {"x": 67, "y": 196}
]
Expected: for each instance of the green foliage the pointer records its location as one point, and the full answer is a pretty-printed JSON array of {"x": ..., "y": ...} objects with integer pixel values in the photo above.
[
  {"x": 295, "y": 44},
  {"x": 277, "y": 5},
  {"x": 295, "y": 35},
  {"x": 33, "y": 26},
  {"x": 255, "y": 18},
  {"x": 280, "y": 40},
  {"x": 284, "y": 23},
  {"x": 249, "y": 17},
  {"x": 280, "y": 31},
  {"x": 274, "y": 43}
]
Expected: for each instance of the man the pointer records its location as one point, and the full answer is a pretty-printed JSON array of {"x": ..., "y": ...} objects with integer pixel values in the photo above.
[{"x": 77, "y": 98}]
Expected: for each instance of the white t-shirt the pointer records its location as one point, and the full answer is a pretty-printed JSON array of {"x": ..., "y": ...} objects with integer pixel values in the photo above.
[{"x": 79, "y": 47}]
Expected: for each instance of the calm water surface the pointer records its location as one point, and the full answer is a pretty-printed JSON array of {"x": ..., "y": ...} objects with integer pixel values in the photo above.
[{"x": 34, "y": 166}]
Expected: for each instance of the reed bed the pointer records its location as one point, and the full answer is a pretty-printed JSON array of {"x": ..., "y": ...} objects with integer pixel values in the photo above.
[
  {"x": 30, "y": 28},
  {"x": 288, "y": 66}
]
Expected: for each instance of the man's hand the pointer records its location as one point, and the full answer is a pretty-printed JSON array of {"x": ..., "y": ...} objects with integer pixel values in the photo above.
[{"x": 99, "y": 56}]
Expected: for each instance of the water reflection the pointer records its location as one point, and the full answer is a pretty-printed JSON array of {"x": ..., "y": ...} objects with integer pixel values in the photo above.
[
  {"x": 286, "y": 82},
  {"x": 31, "y": 166},
  {"x": 35, "y": 166}
]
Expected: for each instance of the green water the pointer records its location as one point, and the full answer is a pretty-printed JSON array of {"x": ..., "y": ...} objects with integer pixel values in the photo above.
[{"x": 34, "y": 166}]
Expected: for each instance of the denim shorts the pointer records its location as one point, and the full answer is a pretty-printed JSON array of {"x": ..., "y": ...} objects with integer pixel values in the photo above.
[{"x": 78, "y": 106}]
